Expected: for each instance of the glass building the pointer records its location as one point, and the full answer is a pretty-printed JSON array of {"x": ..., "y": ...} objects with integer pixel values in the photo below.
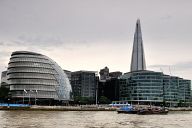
[
  {"x": 142, "y": 86},
  {"x": 147, "y": 87},
  {"x": 84, "y": 83},
  {"x": 36, "y": 76}
]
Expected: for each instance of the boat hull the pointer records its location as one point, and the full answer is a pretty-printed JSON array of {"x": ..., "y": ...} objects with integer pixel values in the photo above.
[
  {"x": 127, "y": 112},
  {"x": 145, "y": 112}
]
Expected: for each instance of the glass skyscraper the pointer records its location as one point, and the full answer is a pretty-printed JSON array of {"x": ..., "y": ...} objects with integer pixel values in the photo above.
[{"x": 144, "y": 86}]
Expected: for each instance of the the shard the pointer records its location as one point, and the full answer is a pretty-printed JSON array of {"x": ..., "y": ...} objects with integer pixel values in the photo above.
[{"x": 138, "y": 57}]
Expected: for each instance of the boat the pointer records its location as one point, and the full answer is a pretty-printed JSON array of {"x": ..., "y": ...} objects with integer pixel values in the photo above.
[
  {"x": 150, "y": 111},
  {"x": 128, "y": 109},
  {"x": 118, "y": 104}
]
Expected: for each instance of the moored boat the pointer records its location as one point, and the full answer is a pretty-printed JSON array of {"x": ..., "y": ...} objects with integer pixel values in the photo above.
[
  {"x": 150, "y": 111},
  {"x": 128, "y": 109}
]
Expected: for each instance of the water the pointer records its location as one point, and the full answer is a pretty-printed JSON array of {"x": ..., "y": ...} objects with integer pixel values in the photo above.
[{"x": 80, "y": 119}]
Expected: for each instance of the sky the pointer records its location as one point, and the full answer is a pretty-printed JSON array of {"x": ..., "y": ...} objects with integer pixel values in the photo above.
[{"x": 92, "y": 34}]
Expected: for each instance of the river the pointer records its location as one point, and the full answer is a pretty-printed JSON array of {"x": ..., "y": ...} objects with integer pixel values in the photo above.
[{"x": 92, "y": 119}]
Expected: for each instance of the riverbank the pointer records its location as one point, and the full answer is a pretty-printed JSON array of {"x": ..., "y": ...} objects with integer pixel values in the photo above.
[
  {"x": 77, "y": 108},
  {"x": 61, "y": 108},
  {"x": 180, "y": 109}
]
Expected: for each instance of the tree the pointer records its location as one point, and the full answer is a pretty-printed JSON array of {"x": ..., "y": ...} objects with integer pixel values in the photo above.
[
  {"x": 104, "y": 100},
  {"x": 83, "y": 100}
]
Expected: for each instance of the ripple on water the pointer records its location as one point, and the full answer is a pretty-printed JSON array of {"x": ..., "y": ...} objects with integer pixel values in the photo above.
[{"x": 53, "y": 119}]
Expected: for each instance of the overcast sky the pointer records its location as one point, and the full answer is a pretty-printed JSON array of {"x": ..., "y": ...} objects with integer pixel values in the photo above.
[{"x": 92, "y": 34}]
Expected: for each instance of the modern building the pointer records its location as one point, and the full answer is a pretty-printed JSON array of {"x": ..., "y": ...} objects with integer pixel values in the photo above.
[
  {"x": 109, "y": 89},
  {"x": 4, "y": 81},
  {"x": 35, "y": 77},
  {"x": 84, "y": 84},
  {"x": 138, "y": 56},
  {"x": 142, "y": 87},
  {"x": 148, "y": 87},
  {"x": 108, "y": 86},
  {"x": 171, "y": 87},
  {"x": 184, "y": 92},
  {"x": 68, "y": 73}
]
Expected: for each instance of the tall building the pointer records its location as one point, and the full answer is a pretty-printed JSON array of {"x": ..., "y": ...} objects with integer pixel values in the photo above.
[
  {"x": 138, "y": 57},
  {"x": 84, "y": 84},
  {"x": 144, "y": 87},
  {"x": 34, "y": 76},
  {"x": 109, "y": 84}
]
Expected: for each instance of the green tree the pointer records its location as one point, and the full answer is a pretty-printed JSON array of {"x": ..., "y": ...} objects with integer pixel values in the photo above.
[
  {"x": 83, "y": 100},
  {"x": 104, "y": 100}
]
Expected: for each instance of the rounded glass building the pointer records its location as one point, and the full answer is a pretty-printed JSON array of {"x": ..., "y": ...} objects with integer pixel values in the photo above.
[{"x": 34, "y": 76}]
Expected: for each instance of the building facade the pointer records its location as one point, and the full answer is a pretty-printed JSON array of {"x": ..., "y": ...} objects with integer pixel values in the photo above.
[
  {"x": 4, "y": 81},
  {"x": 68, "y": 73},
  {"x": 109, "y": 89},
  {"x": 108, "y": 86},
  {"x": 84, "y": 84},
  {"x": 34, "y": 76},
  {"x": 184, "y": 92},
  {"x": 142, "y": 87},
  {"x": 149, "y": 87}
]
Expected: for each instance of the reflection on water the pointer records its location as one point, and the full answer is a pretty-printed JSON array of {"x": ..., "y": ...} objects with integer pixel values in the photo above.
[{"x": 78, "y": 119}]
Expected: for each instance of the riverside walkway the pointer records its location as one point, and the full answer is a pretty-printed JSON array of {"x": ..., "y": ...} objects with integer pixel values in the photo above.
[{"x": 73, "y": 108}]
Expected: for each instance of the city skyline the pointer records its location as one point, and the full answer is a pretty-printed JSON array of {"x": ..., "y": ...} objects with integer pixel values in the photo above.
[{"x": 90, "y": 35}]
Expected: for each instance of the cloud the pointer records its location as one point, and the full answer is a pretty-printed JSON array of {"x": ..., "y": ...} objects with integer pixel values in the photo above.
[
  {"x": 178, "y": 66},
  {"x": 184, "y": 65},
  {"x": 49, "y": 41}
]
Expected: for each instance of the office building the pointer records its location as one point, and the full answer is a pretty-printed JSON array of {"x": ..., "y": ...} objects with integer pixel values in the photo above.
[
  {"x": 148, "y": 87},
  {"x": 109, "y": 89},
  {"x": 142, "y": 87},
  {"x": 109, "y": 84},
  {"x": 84, "y": 84}
]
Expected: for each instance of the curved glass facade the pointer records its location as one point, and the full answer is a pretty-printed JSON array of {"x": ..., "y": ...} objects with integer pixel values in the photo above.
[
  {"x": 37, "y": 76},
  {"x": 155, "y": 87},
  {"x": 142, "y": 86}
]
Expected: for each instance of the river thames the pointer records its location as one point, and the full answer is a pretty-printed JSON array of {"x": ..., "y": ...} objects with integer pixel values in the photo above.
[{"x": 92, "y": 119}]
